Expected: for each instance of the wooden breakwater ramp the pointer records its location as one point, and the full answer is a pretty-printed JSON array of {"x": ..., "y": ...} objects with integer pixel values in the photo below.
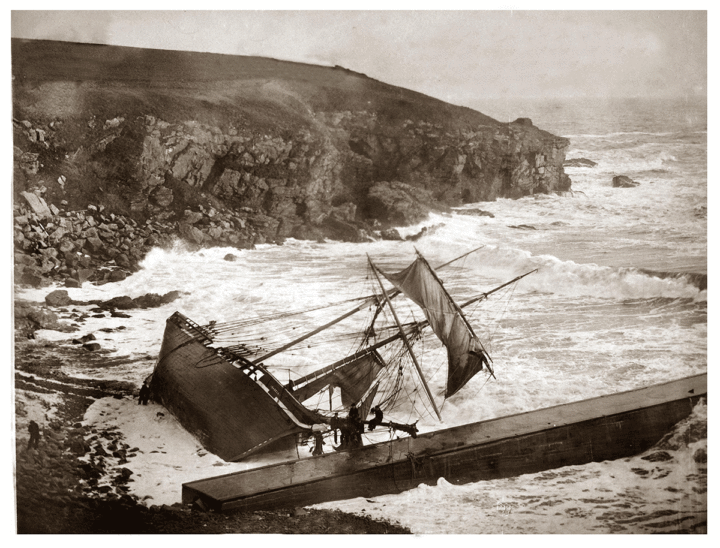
[{"x": 602, "y": 428}]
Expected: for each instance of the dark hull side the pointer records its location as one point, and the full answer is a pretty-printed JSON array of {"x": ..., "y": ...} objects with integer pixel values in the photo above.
[
  {"x": 598, "y": 429},
  {"x": 231, "y": 413}
]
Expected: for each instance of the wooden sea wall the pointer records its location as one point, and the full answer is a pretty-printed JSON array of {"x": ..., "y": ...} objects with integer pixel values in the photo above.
[{"x": 604, "y": 428}]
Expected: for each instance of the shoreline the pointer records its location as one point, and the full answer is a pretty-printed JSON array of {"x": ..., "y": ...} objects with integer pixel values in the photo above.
[{"x": 67, "y": 485}]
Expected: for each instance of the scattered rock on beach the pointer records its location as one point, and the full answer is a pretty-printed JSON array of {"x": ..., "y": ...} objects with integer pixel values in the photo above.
[
  {"x": 59, "y": 297},
  {"x": 85, "y": 339}
]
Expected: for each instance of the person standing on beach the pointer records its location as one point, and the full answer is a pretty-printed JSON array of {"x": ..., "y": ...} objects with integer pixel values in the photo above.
[
  {"x": 34, "y": 430},
  {"x": 144, "y": 394}
]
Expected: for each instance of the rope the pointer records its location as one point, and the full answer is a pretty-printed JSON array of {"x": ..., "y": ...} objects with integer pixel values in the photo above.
[{"x": 225, "y": 326}]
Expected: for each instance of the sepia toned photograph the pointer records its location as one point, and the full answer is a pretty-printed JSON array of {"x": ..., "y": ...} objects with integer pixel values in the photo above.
[{"x": 410, "y": 272}]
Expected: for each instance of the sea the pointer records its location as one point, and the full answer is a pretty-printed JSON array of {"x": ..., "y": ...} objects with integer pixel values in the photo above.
[{"x": 618, "y": 301}]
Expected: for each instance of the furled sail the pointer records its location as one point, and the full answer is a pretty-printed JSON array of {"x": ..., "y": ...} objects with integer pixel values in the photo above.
[
  {"x": 353, "y": 379},
  {"x": 466, "y": 355}
]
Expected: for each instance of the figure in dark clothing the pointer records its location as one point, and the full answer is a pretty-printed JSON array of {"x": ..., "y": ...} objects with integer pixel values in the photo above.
[
  {"x": 34, "y": 430},
  {"x": 144, "y": 394},
  {"x": 354, "y": 413},
  {"x": 377, "y": 419},
  {"x": 318, "y": 450},
  {"x": 335, "y": 424},
  {"x": 355, "y": 428}
]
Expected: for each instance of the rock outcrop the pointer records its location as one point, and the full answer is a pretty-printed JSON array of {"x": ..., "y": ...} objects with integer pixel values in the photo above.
[
  {"x": 225, "y": 150},
  {"x": 579, "y": 162},
  {"x": 623, "y": 181}
]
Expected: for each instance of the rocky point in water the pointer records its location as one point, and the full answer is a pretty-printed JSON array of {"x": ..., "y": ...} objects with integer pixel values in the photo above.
[
  {"x": 623, "y": 181},
  {"x": 579, "y": 162}
]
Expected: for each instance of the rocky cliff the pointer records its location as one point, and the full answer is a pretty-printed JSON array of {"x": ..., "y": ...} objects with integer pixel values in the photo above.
[{"x": 240, "y": 150}]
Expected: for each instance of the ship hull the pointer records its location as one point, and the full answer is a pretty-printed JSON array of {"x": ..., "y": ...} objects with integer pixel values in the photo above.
[
  {"x": 233, "y": 411},
  {"x": 593, "y": 430}
]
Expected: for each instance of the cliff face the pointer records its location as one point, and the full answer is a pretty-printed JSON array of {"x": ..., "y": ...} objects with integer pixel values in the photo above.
[{"x": 278, "y": 149}]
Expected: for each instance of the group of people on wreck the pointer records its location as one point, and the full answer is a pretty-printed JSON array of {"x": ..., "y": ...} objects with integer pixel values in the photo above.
[{"x": 351, "y": 429}]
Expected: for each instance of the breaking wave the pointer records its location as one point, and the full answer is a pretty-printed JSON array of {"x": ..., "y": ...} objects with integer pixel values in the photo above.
[{"x": 693, "y": 278}]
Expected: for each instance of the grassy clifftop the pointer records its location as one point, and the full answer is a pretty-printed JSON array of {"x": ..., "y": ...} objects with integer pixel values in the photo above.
[{"x": 210, "y": 88}]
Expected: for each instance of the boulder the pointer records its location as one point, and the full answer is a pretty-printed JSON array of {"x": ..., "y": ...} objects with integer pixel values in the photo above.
[
  {"x": 65, "y": 246},
  {"x": 390, "y": 234},
  {"x": 230, "y": 257},
  {"x": 117, "y": 275},
  {"x": 398, "y": 204},
  {"x": 59, "y": 297},
  {"x": 39, "y": 318},
  {"x": 84, "y": 274},
  {"x": 191, "y": 233},
  {"x": 308, "y": 231},
  {"x": 122, "y": 260},
  {"x": 32, "y": 278},
  {"x": 37, "y": 204},
  {"x": 425, "y": 231},
  {"x": 192, "y": 217},
  {"x": 149, "y": 300},
  {"x": 84, "y": 339},
  {"x": 344, "y": 232},
  {"x": 95, "y": 245},
  {"x": 623, "y": 181},
  {"x": 170, "y": 296},
  {"x": 579, "y": 162},
  {"x": 123, "y": 303},
  {"x": 474, "y": 212}
]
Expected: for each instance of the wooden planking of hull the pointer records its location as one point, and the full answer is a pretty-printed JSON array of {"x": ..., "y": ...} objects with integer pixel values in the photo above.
[
  {"x": 233, "y": 411},
  {"x": 597, "y": 429}
]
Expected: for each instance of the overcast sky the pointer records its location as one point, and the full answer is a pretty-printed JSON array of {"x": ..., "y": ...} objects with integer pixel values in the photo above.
[{"x": 456, "y": 56}]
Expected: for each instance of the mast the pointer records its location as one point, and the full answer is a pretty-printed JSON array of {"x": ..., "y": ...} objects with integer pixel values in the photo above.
[
  {"x": 405, "y": 340},
  {"x": 368, "y": 302},
  {"x": 498, "y": 288},
  {"x": 414, "y": 326}
]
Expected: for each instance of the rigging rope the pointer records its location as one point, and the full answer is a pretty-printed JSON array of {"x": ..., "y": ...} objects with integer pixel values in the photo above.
[{"x": 227, "y": 326}]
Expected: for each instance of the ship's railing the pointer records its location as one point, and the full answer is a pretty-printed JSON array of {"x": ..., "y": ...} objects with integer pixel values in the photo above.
[{"x": 204, "y": 333}]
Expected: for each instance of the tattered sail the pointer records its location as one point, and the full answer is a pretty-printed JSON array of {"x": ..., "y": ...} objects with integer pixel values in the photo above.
[
  {"x": 466, "y": 356},
  {"x": 366, "y": 401},
  {"x": 353, "y": 379}
]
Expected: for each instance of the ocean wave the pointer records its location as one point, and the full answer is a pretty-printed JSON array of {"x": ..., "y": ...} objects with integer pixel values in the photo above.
[
  {"x": 639, "y": 159},
  {"x": 618, "y": 134},
  {"x": 687, "y": 432},
  {"x": 693, "y": 278},
  {"x": 573, "y": 279}
]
